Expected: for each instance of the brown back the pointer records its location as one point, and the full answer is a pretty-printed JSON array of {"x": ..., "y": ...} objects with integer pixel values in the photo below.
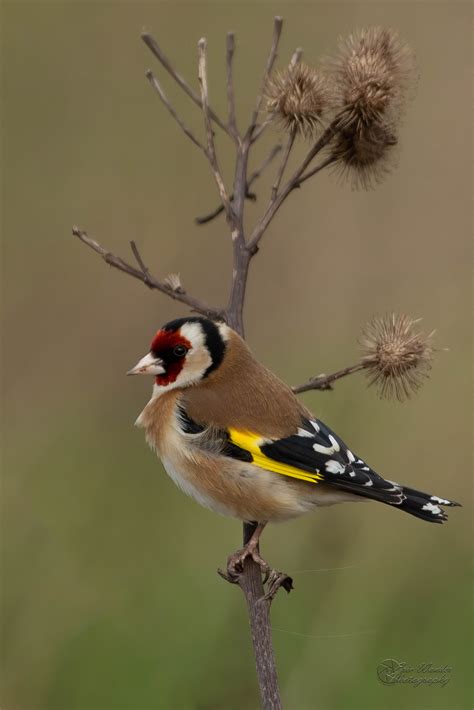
[{"x": 244, "y": 394}]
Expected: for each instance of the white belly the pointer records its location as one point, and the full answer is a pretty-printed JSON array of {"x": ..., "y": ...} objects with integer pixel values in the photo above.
[{"x": 194, "y": 490}]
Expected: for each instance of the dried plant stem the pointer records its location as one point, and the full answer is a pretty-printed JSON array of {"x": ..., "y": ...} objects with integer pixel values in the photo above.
[
  {"x": 211, "y": 150},
  {"x": 230, "y": 49},
  {"x": 259, "y": 129},
  {"x": 157, "y": 87},
  {"x": 144, "y": 275},
  {"x": 277, "y": 28},
  {"x": 283, "y": 164},
  {"x": 154, "y": 47},
  {"x": 324, "y": 164},
  {"x": 249, "y": 195},
  {"x": 296, "y": 57},
  {"x": 277, "y": 200},
  {"x": 324, "y": 382}
]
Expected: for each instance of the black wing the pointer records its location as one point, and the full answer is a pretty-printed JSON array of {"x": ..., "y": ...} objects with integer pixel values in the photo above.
[{"x": 316, "y": 449}]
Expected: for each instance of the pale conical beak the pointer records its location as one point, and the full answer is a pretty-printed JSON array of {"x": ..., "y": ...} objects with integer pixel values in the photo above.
[{"x": 148, "y": 365}]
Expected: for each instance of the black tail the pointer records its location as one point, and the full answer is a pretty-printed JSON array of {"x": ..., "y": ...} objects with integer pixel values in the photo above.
[
  {"x": 425, "y": 506},
  {"x": 421, "y": 505}
]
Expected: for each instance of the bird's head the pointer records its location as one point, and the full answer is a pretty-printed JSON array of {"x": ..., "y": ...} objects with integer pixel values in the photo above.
[{"x": 184, "y": 352}]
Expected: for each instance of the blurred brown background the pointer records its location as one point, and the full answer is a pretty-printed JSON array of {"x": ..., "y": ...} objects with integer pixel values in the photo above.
[{"x": 109, "y": 592}]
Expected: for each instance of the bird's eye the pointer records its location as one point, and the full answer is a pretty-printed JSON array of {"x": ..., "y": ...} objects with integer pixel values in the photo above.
[{"x": 179, "y": 351}]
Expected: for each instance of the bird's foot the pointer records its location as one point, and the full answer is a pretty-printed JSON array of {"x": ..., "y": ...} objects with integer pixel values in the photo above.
[
  {"x": 271, "y": 577},
  {"x": 276, "y": 580},
  {"x": 235, "y": 563}
]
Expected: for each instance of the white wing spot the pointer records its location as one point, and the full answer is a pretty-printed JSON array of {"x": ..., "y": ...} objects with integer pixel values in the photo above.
[
  {"x": 369, "y": 483},
  {"x": 350, "y": 456},
  {"x": 334, "y": 466},
  {"x": 443, "y": 501},
  {"x": 365, "y": 468},
  {"x": 326, "y": 450},
  {"x": 435, "y": 509},
  {"x": 334, "y": 443},
  {"x": 315, "y": 425},
  {"x": 303, "y": 432}
]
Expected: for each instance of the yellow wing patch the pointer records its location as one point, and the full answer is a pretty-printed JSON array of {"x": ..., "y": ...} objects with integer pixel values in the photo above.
[{"x": 251, "y": 442}]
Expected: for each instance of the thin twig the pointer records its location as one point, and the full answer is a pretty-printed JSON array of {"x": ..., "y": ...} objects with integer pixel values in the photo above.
[
  {"x": 154, "y": 47},
  {"x": 325, "y": 163},
  {"x": 296, "y": 57},
  {"x": 256, "y": 173},
  {"x": 211, "y": 150},
  {"x": 249, "y": 195},
  {"x": 259, "y": 129},
  {"x": 324, "y": 382},
  {"x": 230, "y": 49},
  {"x": 157, "y": 87},
  {"x": 144, "y": 275},
  {"x": 284, "y": 162},
  {"x": 277, "y": 27},
  {"x": 276, "y": 201},
  {"x": 205, "y": 219},
  {"x": 140, "y": 262}
]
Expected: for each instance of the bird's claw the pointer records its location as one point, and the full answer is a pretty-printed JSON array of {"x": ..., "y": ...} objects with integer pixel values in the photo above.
[
  {"x": 276, "y": 580},
  {"x": 272, "y": 577},
  {"x": 235, "y": 563}
]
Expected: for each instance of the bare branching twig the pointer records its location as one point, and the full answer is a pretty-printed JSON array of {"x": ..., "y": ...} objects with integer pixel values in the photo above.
[
  {"x": 277, "y": 28},
  {"x": 277, "y": 200},
  {"x": 157, "y": 87},
  {"x": 211, "y": 149},
  {"x": 155, "y": 48},
  {"x": 283, "y": 164},
  {"x": 249, "y": 195},
  {"x": 143, "y": 274},
  {"x": 230, "y": 49}
]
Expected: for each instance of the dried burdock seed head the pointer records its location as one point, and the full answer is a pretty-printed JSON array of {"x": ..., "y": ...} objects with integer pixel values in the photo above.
[
  {"x": 365, "y": 154},
  {"x": 396, "y": 355},
  {"x": 297, "y": 97},
  {"x": 373, "y": 73}
]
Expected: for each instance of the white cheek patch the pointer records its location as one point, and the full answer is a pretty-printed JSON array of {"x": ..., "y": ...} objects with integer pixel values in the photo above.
[
  {"x": 198, "y": 359},
  {"x": 194, "y": 333},
  {"x": 196, "y": 364}
]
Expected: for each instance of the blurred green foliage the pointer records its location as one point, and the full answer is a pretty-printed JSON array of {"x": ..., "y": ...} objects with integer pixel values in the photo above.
[{"x": 109, "y": 593}]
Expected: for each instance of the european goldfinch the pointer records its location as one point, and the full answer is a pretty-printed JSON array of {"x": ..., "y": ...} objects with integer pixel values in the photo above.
[{"x": 236, "y": 438}]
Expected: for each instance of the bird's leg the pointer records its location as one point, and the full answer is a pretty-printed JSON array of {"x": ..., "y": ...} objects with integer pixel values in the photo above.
[
  {"x": 235, "y": 567},
  {"x": 235, "y": 563}
]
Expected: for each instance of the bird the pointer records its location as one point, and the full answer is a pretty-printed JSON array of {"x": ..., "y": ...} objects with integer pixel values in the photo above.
[{"x": 236, "y": 438}]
